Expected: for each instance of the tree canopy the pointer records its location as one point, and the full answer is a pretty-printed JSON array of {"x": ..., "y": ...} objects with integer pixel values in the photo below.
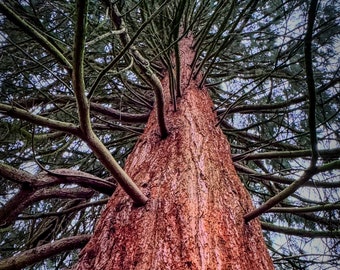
[{"x": 78, "y": 81}]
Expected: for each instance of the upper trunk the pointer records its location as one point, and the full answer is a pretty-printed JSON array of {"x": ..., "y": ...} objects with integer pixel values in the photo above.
[{"x": 194, "y": 217}]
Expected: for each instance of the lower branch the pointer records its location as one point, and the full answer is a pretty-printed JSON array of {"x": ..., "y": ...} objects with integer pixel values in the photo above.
[
  {"x": 24, "y": 198},
  {"x": 288, "y": 181},
  {"x": 42, "y": 252},
  {"x": 38, "y": 120},
  {"x": 280, "y": 196},
  {"x": 108, "y": 161}
]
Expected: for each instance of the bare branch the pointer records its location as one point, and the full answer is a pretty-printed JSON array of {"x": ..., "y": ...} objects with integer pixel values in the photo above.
[
  {"x": 122, "y": 116},
  {"x": 38, "y": 120},
  {"x": 78, "y": 67},
  {"x": 26, "y": 197},
  {"x": 310, "y": 80},
  {"x": 65, "y": 212},
  {"x": 285, "y": 180},
  {"x": 67, "y": 176},
  {"x": 334, "y": 165},
  {"x": 281, "y": 196},
  {"x": 42, "y": 252},
  {"x": 18, "y": 176},
  {"x": 324, "y": 153},
  {"x": 95, "y": 40},
  {"x": 324, "y": 207},
  {"x": 299, "y": 232},
  {"x": 105, "y": 157}
]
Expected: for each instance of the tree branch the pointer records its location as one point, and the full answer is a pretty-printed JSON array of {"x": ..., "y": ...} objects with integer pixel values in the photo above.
[
  {"x": 39, "y": 120},
  {"x": 122, "y": 116},
  {"x": 250, "y": 138},
  {"x": 42, "y": 252},
  {"x": 325, "y": 153},
  {"x": 329, "y": 166},
  {"x": 67, "y": 176},
  {"x": 18, "y": 176},
  {"x": 78, "y": 67},
  {"x": 260, "y": 108},
  {"x": 64, "y": 212},
  {"x": 144, "y": 65},
  {"x": 10, "y": 211},
  {"x": 30, "y": 30},
  {"x": 311, "y": 121},
  {"x": 294, "y": 210},
  {"x": 105, "y": 157},
  {"x": 91, "y": 139},
  {"x": 298, "y": 232},
  {"x": 94, "y": 106},
  {"x": 284, "y": 180},
  {"x": 310, "y": 80},
  {"x": 26, "y": 197},
  {"x": 280, "y": 196}
]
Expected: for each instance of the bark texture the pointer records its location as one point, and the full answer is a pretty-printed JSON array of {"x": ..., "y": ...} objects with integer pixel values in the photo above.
[{"x": 194, "y": 217}]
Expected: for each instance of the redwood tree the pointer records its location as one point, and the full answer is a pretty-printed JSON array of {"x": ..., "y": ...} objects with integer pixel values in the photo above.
[
  {"x": 194, "y": 218},
  {"x": 166, "y": 83}
]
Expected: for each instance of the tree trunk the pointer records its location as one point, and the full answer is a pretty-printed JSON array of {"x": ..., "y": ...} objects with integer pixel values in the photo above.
[{"x": 194, "y": 217}]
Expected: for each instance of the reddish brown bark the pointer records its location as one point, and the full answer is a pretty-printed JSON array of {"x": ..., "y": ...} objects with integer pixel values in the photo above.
[{"x": 194, "y": 218}]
